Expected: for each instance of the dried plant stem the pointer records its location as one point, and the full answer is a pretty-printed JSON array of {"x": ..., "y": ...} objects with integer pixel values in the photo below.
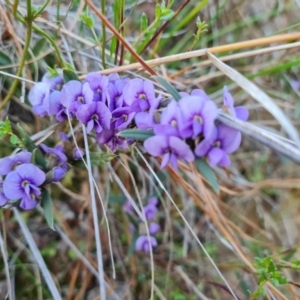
[
  {"x": 187, "y": 224},
  {"x": 95, "y": 218},
  {"x": 37, "y": 255},
  {"x": 266, "y": 138},
  {"x": 6, "y": 267},
  {"x": 29, "y": 21}
]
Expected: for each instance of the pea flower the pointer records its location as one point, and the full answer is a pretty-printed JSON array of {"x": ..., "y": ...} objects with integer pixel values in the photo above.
[
  {"x": 142, "y": 243},
  {"x": 23, "y": 184},
  {"x": 239, "y": 112},
  {"x": 98, "y": 83},
  {"x": 54, "y": 83},
  {"x": 154, "y": 228},
  {"x": 122, "y": 117},
  {"x": 198, "y": 115},
  {"x": 74, "y": 94},
  {"x": 139, "y": 95},
  {"x": 56, "y": 155},
  {"x": 7, "y": 164},
  {"x": 172, "y": 148},
  {"x": 115, "y": 97},
  {"x": 150, "y": 209},
  {"x": 94, "y": 115},
  {"x": 223, "y": 141},
  {"x": 78, "y": 153},
  {"x": 56, "y": 108},
  {"x": 111, "y": 139},
  {"x": 3, "y": 199},
  {"x": 38, "y": 97}
]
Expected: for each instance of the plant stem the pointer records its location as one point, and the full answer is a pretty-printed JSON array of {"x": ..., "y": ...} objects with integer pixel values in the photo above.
[
  {"x": 95, "y": 218},
  {"x": 23, "y": 58},
  {"x": 103, "y": 35}
]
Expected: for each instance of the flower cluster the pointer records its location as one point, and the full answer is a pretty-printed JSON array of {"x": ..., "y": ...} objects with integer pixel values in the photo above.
[
  {"x": 150, "y": 211},
  {"x": 107, "y": 105},
  {"x": 22, "y": 180}
]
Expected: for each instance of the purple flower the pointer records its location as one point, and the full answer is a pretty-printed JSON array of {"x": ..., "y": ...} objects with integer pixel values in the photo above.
[
  {"x": 198, "y": 115},
  {"x": 150, "y": 211},
  {"x": 113, "y": 77},
  {"x": 3, "y": 199},
  {"x": 57, "y": 153},
  {"x": 98, "y": 84},
  {"x": 56, "y": 108},
  {"x": 39, "y": 97},
  {"x": 127, "y": 207},
  {"x": 7, "y": 164},
  {"x": 58, "y": 174},
  {"x": 142, "y": 243},
  {"x": 153, "y": 201},
  {"x": 172, "y": 148},
  {"x": 239, "y": 112},
  {"x": 122, "y": 117},
  {"x": 115, "y": 93},
  {"x": 78, "y": 153},
  {"x": 54, "y": 83},
  {"x": 139, "y": 95},
  {"x": 63, "y": 137},
  {"x": 111, "y": 139},
  {"x": 154, "y": 228},
  {"x": 23, "y": 183},
  {"x": 94, "y": 115},
  {"x": 223, "y": 141},
  {"x": 74, "y": 94}
]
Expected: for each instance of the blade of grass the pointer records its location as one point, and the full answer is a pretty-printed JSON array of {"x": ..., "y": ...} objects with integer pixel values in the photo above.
[{"x": 258, "y": 95}]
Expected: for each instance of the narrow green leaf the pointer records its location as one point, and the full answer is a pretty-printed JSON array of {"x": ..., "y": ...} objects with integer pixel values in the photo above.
[
  {"x": 29, "y": 144},
  {"x": 15, "y": 140},
  {"x": 69, "y": 75},
  {"x": 137, "y": 134},
  {"x": 48, "y": 208},
  {"x": 39, "y": 46},
  {"x": 37, "y": 158},
  {"x": 157, "y": 12},
  {"x": 4, "y": 59},
  {"x": 144, "y": 22},
  {"x": 207, "y": 173},
  {"x": 168, "y": 87}
]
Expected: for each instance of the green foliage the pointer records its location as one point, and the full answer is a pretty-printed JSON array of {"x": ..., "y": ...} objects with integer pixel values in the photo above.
[
  {"x": 69, "y": 74},
  {"x": 144, "y": 22},
  {"x": 26, "y": 140},
  {"x": 168, "y": 87},
  {"x": 207, "y": 172},
  {"x": 136, "y": 134},
  {"x": 97, "y": 159},
  {"x": 87, "y": 19},
  {"x": 5, "y": 130},
  {"x": 48, "y": 208},
  {"x": 267, "y": 272}
]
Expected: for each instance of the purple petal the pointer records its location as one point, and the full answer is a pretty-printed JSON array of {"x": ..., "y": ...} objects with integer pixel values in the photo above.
[
  {"x": 98, "y": 83},
  {"x": 58, "y": 174},
  {"x": 153, "y": 201},
  {"x": 210, "y": 113},
  {"x": 241, "y": 113},
  {"x": 55, "y": 83},
  {"x": 181, "y": 149},
  {"x": 166, "y": 130},
  {"x": 227, "y": 98},
  {"x": 28, "y": 203},
  {"x": 3, "y": 199},
  {"x": 225, "y": 161},
  {"x": 12, "y": 186},
  {"x": 22, "y": 158},
  {"x": 230, "y": 138},
  {"x": 40, "y": 110},
  {"x": 165, "y": 160},
  {"x": 204, "y": 146},
  {"x": 215, "y": 155},
  {"x": 6, "y": 165},
  {"x": 31, "y": 173},
  {"x": 105, "y": 136},
  {"x": 144, "y": 120},
  {"x": 78, "y": 153},
  {"x": 39, "y": 93},
  {"x": 70, "y": 93},
  {"x": 154, "y": 228},
  {"x": 54, "y": 103},
  {"x": 139, "y": 244},
  {"x": 156, "y": 145},
  {"x": 173, "y": 160}
]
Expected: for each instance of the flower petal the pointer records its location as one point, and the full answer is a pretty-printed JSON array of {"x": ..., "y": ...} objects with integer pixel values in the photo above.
[
  {"x": 12, "y": 186},
  {"x": 241, "y": 113},
  {"x": 31, "y": 173},
  {"x": 230, "y": 138},
  {"x": 28, "y": 203},
  {"x": 6, "y": 165},
  {"x": 181, "y": 149},
  {"x": 70, "y": 93},
  {"x": 215, "y": 155},
  {"x": 156, "y": 145}
]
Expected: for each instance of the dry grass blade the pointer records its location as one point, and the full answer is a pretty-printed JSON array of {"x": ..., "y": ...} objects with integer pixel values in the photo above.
[
  {"x": 258, "y": 95},
  {"x": 263, "y": 136}
]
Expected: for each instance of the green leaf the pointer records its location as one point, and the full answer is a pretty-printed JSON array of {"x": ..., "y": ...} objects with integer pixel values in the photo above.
[
  {"x": 15, "y": 140},
  {"x": 207, "y": 173},
  {"x": 5, "y": 60},
  {"x": 144, "y": 22},
  {"x": 87, "y": 20},
  {"x": 29, "y": 144},
  {"x": 157, "y": 12},
  {"x": 69, "y": 75},
  {"x": 37, "y": 158},
  {"x": 48, "y": 208},
  {"x": 5, "y": 128},
  {"x": 168, "y": 87},
  {"x": 137, "y": 134},
  {"x": 39, "y": 46},
  {"x": 53, "y": 72}
]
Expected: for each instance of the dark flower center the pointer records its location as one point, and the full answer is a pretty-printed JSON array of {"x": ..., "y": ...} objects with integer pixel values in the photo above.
[
  {"x": 24, "y": 183},
  {"x": 124, "y": 117},
  {"x": 142, "y": 96},
  {"x": 174, "y": 123},
  {"x": 217, "y": 144},
  {"x": 80, "y": 99},
  {"x": 99, "y": 91},
  {"x": 95, "y": 117},
  {"x": 198, "y": 119}
]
